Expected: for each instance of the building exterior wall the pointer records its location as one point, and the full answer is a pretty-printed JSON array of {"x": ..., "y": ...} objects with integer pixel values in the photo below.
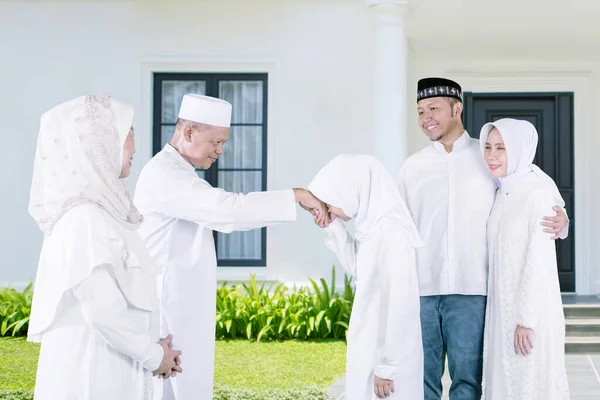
[{"x": 319, "y": 57}]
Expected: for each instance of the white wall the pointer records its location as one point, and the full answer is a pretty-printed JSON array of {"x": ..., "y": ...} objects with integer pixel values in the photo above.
[
  {"x": 319, "y": 58},
  {"x": 318, "y": 53}
]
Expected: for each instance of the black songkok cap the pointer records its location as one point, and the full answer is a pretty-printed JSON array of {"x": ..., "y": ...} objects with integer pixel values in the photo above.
[{"x": 438, "y": 87}]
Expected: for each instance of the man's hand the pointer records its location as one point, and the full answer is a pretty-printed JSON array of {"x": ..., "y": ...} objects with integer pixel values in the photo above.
[
  {"x": 382, "y": 387},
  {"x": 170, "y": 365},
  {"x": 523, "y": 340},
  {"x": 316, "y": 207},
  {"x": 556, "y": 223}
]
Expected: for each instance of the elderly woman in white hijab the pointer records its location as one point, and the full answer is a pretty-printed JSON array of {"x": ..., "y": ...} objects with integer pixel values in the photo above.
[
  {"x": 525, "y": 327},
  {"x": 95, "y": 304},
  {"x": 385, "y": 354}
]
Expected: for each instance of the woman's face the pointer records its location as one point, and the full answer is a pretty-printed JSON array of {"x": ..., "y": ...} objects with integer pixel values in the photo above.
[
  {"x": 495, "y": 154},
  {"x": 128, "y": 152},
  {"x": 338, "y": 213}
]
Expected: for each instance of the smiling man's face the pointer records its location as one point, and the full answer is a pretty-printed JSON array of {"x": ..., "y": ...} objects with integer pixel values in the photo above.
[{"x": 438, "y": 116}]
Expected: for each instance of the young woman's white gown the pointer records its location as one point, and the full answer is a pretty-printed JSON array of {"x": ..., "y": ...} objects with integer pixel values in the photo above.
[
  {"x": 523, "y": 286},
  {"x": 384, "y": 337}
]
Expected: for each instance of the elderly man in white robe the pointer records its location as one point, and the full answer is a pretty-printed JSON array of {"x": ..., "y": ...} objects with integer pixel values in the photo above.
[
  {"x": 450, "y": 194},
  {"x": 181, "y": 211},
  {"x": 95, "y": 308}
]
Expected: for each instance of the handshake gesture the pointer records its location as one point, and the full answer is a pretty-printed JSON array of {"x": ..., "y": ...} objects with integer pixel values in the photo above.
[
  {"x": 316, "y": 207},
  {"x": 171, "y": 363}
]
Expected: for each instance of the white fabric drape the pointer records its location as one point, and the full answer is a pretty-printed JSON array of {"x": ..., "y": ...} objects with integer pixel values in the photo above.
[
  {"x": 172, "y": 95},
  {"x": 78, "y": 160}
]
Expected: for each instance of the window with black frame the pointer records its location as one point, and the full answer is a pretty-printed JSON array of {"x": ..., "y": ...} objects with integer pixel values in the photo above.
[{"x": 242, "y": 167}]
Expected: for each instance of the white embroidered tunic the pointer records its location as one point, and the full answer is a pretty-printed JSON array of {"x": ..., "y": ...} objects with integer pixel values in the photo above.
[
  {"x": 523, "y": 287},
  {"x": 524, "y": 290}
]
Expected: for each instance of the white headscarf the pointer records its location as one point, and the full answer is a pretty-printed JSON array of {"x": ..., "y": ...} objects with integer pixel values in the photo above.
[
  {"x": 363, "y": 189},
  {"x": 79, "y": 159},
  {"x": 520, "y": 140}
]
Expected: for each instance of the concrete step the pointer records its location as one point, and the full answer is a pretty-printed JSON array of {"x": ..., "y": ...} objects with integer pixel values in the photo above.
[
  {"x": 582, "y": 345},
  {"x": 581, "y": 311},
  {"x": 582, "y": 326}
]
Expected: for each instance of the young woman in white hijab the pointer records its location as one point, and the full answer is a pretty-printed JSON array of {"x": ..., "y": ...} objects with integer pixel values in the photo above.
[
  {"x": 95, "y": 304},
  {"x": 385, "y": 353},
  {"x": 525, "y": 327}
]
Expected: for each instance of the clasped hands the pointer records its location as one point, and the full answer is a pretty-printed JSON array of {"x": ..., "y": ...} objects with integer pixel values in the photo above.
[
  {"x": 171, "y": 362},
  {"x": 313, "y": 205}
]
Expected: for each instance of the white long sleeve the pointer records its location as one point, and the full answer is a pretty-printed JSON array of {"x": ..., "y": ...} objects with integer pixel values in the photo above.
[
  {"x": 399, "y": 328},
  {"x": 540, "y": 266},
  {"x": 170, "y": 187},
  {"x": 226, "y": 212},
  {"x": 105, "y": 309},
  {"x": 342, "y": 244}
]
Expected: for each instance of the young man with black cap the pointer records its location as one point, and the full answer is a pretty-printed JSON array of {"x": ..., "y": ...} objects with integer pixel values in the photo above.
[{"x": 450, "y": 194}]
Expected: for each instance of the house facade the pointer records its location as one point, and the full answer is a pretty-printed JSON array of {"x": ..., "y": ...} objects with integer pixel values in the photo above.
[{"x": 309, "y": 79}]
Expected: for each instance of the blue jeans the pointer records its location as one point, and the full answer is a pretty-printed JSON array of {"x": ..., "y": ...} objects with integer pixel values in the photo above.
[{"x": 452, "y": 325}]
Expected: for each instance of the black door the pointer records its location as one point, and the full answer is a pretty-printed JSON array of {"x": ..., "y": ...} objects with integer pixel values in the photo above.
[{"x": 552, "y": 115}]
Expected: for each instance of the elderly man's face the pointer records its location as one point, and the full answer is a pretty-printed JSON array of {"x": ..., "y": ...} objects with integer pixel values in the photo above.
[{"x": 205, "y": 145}]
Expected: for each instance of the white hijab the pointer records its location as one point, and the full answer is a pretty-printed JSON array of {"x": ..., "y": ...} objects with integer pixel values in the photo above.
[
  {"x": 363, "y": 189},
  {"x": 520, "y": 140},
  {"x": 79, "y": 159}
]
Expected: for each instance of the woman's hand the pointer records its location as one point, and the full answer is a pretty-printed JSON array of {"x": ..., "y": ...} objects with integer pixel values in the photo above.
[
  {"x": 383, "y": 387},
  {"x": 332, "y": 216},
  {"x": 523, "y": 340}
]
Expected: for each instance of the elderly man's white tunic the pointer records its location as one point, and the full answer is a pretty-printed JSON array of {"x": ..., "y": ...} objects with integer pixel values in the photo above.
[{"x": 181, "y": 211}]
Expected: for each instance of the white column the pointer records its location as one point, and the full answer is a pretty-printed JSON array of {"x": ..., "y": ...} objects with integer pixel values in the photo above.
[{"x": 390, "y": 79}]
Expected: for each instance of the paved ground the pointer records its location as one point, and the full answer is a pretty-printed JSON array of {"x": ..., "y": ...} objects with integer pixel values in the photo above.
[{"x": 583, "y": 372}]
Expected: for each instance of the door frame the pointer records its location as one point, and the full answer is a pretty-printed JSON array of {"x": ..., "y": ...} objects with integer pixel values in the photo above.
[
  {"x": 567, "y": 279},
  {"x": 519, "y": 77}
]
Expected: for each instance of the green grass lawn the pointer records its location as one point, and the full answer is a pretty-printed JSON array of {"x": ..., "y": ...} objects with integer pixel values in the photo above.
[
  {"x": 279, "y": 365},
  {"x": 260, "y": 367},
  {"x": 18, "y": 362}
]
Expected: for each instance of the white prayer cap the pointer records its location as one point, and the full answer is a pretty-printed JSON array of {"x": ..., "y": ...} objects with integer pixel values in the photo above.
[{"x": 205, "y": 110}]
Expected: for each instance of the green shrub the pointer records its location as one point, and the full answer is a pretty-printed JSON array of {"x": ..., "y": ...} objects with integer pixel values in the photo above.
[
  {"x": 15, "y": 308},
  {"x": 243, "y": 311},
  {"x": 253, "y": 312}
]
